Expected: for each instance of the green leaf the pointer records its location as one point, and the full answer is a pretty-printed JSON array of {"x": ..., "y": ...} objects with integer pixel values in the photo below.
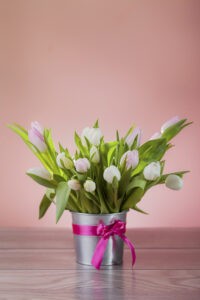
[
  {"x": 133, "y": 199},
  {"x": 51, "y": 149},
  {"x": 87, "y": 142},
  {"x": 22, "y": 132},
  {"x": 46, "y": 202},
  {"x": 50, "y": 193},
  {"x": 96, "y": 124},
  {"x": 80, "y": 146},
  {"x": 42, "y": 181},
  {"x": 115, "y": 183},
  {"x": 117, "y": 136},
  {"x": 92, "y": 203},
  {"x": 124, "y": 182},
  {"x": 135, "y": 183},
  {"x": 62, "y": 196},
  {"x": 139, "y": 210},
  {"x": 111, "y": 153},
  {"x": 58, "y": 178},
  {"x": 112, "y": 199},
  {"x": 129, "y": 131},
  {"x": 65, "y": 150}
]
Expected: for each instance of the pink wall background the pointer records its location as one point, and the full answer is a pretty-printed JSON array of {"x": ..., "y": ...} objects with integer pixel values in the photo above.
[{"x": 67, "y": 63}]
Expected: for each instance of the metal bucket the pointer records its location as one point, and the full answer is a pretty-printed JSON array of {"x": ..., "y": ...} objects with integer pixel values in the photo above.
[{"x": 85, "y": 245}]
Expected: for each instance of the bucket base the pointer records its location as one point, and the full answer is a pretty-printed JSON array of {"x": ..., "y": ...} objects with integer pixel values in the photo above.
[{"x": 103, "y": 264}]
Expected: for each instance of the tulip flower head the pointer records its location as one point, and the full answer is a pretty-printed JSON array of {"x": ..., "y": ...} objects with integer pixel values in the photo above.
[
  {"x": 131, "y": 137},
  {"x": 35, "y": 134},
  {"x": 156, "y": 136},
  {"x": 169, "y": 123},
  {"x": 92, "y": 134},
  {"x": 166, "y": 125},
  {"x": 110, "y": 173},
  {"x": 89, "y": 186},
  {"x": 131, "y": 158},
  {"x": 94, "y": 155},
  {"x": 74, "y": 184},
  {"x": 174, "y": 182},
  {"x": 68, "y": 164},
  {"x": 40, "y": 172},
  {"x": 152, "y": 171},
  {"x": 82, "y": 165}
]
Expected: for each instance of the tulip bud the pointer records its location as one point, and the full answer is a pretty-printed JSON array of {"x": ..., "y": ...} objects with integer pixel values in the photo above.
[
  {"x": 152, "y": 171},
  {"x": 94, "y": 155},
  {"x": 82, "y": 165},
  {"x": 92, "y": 134},
  {"x": 156, "y": 136},
  {"x": 89, "y": 186},
  {"x": 110, "y": 173},
  {"x": 40, "y": 172},
  {"x": 35, "y": 134},
  {"x": 131, "y": 158},
  {"x": 169, "y": 123},
  {"x": 74, "y": 184},
  {"x": 131, "y": 137},
  {"x": 68, "y": 164},
  {"x": 174, "y": 182}
]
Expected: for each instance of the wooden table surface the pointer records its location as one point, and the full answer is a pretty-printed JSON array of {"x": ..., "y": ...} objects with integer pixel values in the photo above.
[{"x": 40, "y": 264}]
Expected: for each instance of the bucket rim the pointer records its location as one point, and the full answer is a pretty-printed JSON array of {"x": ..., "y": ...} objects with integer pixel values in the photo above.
[{"x": 93, "y": 215}]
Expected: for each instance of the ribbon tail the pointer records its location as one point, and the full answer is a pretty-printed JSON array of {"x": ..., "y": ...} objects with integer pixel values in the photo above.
[
  {"x": 131, "y": 247},
  {"x": 99, "y": 252}
]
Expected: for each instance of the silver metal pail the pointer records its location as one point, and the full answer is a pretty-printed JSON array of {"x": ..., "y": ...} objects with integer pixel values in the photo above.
[{"x": 85, "y": 245}]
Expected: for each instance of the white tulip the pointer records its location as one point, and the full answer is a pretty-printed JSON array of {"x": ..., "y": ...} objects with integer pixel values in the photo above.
[
  {"x": 40, "y": 172},
  {"x": 169, "y": 123},
  {"x": 68, "y": 164},
  {"x": 131, "y": 137},
  {"x": 110, "y": 173},
  {"x": 74, "y": 184},
  {"x": 152, "y": 171},
  {"x": 94, "y": 155},
  {"x": 89, "y": 186},
  {"x": 35, "y": 135},
  {"x": 92, "y": 134},
  {"x": 131, "y": 158},
  {"x": 174, "y": 182},
  {"x": 82, "y": 165}
]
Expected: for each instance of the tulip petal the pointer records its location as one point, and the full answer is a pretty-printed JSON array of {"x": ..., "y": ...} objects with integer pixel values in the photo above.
[{"x": 169, "y": 123}]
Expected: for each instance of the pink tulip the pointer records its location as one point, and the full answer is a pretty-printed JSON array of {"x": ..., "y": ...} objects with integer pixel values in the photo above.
[
  {"x": 35, "y": 134},
  {"x": 169, "y": 123},
  {"x": 131, "y": 137},
  {"x": 82, "y": 165},
  {"x": 74, "y": 184},
  {"x": 131, "y": 158}
]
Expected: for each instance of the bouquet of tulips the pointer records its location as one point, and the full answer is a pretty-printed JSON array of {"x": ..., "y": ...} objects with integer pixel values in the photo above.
[{"x": 101, "y": 177}]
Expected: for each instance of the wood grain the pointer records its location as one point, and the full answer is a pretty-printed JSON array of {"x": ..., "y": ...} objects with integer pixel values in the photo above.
[
  {"x": 100, "y": 285},
  {"x": 59, "y": 259},
  {"x": 40, "y": 264},
  {"x": 61, "y": 238}
]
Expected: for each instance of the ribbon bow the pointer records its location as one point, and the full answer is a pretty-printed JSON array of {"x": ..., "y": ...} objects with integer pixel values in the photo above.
[{"x": 106, "y": 231}]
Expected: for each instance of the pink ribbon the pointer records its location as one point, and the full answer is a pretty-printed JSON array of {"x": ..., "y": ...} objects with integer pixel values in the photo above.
[{"x": 105, "y": 231}]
